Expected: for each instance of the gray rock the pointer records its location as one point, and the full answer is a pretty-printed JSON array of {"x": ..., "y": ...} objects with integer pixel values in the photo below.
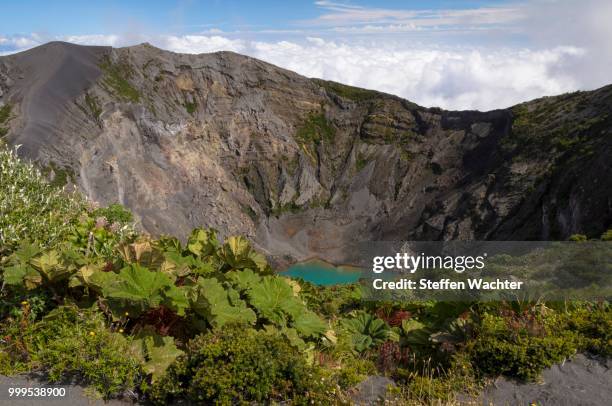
[{"x": 372, "y": 391}]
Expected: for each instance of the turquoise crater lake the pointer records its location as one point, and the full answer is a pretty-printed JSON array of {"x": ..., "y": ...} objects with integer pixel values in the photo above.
[{"x": 322, "y": 273}]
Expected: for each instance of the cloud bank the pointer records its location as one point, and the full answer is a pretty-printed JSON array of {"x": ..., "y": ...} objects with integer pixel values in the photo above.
[{"x": 451, "y": 78}]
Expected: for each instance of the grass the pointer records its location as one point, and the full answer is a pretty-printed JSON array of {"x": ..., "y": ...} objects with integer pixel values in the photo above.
[
  {"x": 290, "y": 207},
  {"x": 361, "y": 162},
  {"x": 61, "y": 176},
  {"x": 116, "y": 76},
  {"x": 348, "y": 92},
  {"x": 190, "y": 106},
  {"x": 93, "y": 106},
  {"x": 315, "y": 128},
  {"x": 5, "y": 115}
]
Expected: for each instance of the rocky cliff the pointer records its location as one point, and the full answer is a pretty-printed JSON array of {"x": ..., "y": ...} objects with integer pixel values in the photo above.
[{"x": 302, "y": 166}]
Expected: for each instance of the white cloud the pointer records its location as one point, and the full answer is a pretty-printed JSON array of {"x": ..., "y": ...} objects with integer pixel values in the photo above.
[
  {"x": 585, "y": 24},
  {"x": 196, "y": 44},
  {"x": 108, "y": 40},
  {"x": 452, "y": 78}
]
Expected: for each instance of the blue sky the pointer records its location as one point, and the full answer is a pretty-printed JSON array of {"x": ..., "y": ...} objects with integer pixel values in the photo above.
[
  {"x": 190, "y": 16},
  {"x": 467, "y": 54}
]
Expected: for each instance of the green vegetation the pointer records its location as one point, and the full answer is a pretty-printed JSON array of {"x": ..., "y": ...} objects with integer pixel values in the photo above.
[
  {"x": 116, "y": 77},
  {"x": 348, "y": 92},
  {"x": 113, "y": 213},
  {"x": 85, "y": 297},
  {"x": 557, "y": 124},
  {"x": 72, "y": 342},
  {"x": 31, "y": 208},
  {"x": 5, "y": 115},
  {"x": 238, "y": 365},
  {"x": 361, "y": 162},
  {"x": 280, "y": 209},
  {"x": 578, "y": 237},
  {"x": 61, "y": 176},
  {"x": 190, "y": 106},
  {"x": 93, "y": 107},
  {"x": 522, "y": 344},
  {"x": 315, "y": 129}
]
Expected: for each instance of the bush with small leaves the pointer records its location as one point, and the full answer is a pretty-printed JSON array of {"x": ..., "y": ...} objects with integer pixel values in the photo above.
[
  {"x": 239, "y": 365},
  {"x": 72, "y": 343}
]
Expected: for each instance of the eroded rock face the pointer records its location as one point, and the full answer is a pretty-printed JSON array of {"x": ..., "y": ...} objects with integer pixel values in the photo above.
[{"x": 303, "y": 166}]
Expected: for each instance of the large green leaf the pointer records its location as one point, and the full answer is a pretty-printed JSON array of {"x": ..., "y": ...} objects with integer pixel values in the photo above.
[
  {"x": 212, "y": 301},
  {"x": 26, "y": 252},
  {"x": 273, "y": 299},
  {"x": 19, "y": 271},
  {"x": 290, "y": 334},
  {"x": 309, "y": 324},
  {"x": 243, "y": 280},
  {"x": 202, "y": 242},
  {"x": 92, "y": 277},
  {"x": 138, "y": 285},
  {"x": 13, "y": 275},
  {"x": 142, "y": 252},
  {"x": 176, "y": 299},
  {"x": 50, "y": 266},
  {"x": 367, "y": 330},
  {"x": 156, "y": 352},
  {"x": 237, "y": 253},
  {"x": 414, "y": 333}
]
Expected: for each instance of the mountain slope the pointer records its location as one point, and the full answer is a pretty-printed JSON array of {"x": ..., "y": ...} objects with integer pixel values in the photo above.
[{"x": 303, "y": 166}]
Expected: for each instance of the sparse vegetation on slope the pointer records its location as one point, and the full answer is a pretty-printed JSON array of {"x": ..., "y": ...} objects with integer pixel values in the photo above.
[
  {"x": 348, "y": 92},
  {"x": 116, "y": 77},
  {"x": 5, "y": 115}
]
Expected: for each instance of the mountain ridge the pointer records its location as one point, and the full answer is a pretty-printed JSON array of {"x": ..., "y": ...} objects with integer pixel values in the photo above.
[{"x": 302, "y": 166}]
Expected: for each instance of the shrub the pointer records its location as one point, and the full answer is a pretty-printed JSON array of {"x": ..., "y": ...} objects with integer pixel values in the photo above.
[
  {"x": 239, "y": 365},
  {"x": 593, "y": 323},
  {"x": 114, "y": 213},
  {"x": 70, "y": 343},
  {"x": 30, "y": 208},
  {"x": 503, "y": 349},
  {"x": 355, "y": 370}
]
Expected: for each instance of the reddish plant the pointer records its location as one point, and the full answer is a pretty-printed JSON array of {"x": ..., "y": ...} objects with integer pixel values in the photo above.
[
  {"x": 393, "y": 318},
  {"x": 162, "y": 319},
  {"x": 391, "y": 355}
]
